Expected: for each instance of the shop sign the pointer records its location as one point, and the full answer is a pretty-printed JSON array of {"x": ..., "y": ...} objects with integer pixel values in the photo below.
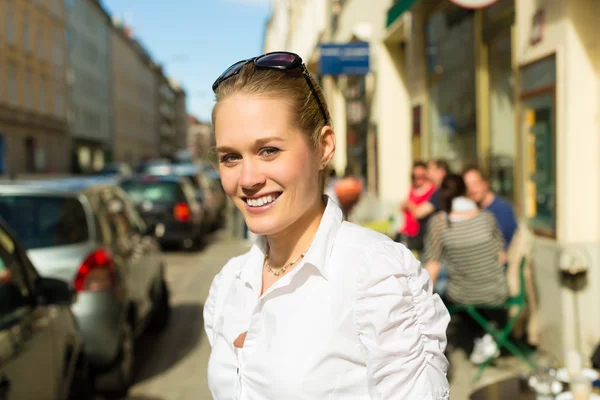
[
  {"x": 473, "y": 4},
  {"x": 344, "y": 59}
]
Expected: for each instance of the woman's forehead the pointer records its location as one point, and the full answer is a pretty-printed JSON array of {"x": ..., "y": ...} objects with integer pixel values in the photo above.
[{"x": 245, "y": 119}]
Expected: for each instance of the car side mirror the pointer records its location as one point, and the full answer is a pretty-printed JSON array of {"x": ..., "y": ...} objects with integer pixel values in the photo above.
[{"x": 54, "y": 291}]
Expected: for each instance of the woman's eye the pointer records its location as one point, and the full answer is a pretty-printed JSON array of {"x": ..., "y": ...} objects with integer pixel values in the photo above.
[
  {"x": 269, "y": 151},
  {"x": 227, "y": 158}
]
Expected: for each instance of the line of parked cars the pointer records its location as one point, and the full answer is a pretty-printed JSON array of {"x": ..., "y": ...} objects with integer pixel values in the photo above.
[{"x": 82, "y": 275}]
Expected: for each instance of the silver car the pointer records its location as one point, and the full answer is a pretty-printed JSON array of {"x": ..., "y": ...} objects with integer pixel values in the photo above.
[{"x": 90, "y": 234}]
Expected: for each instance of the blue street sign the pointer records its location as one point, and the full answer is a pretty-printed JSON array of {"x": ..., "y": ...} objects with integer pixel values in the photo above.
[{"x": 344, "y": 59}]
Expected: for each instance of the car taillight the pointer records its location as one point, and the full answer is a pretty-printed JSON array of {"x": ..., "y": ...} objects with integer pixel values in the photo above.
[
  {"x": 182, "y": 212},
  {"x": 96, "y": 273}
]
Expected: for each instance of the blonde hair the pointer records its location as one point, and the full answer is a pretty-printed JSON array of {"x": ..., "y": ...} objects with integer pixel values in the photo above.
[{"x": 290, "y": 86}]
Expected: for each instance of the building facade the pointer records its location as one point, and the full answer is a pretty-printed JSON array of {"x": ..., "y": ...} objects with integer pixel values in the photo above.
[
  {"x": 200, "y": 138},
  {"x": 134, "y": 97},
  {"x": 166, "y": 113},
  {"x": 514, "y": 87},
  {"x": 33, "y": 123},
  {"x": 181, "y": 116},
  {"x": 89, "y": 78}
]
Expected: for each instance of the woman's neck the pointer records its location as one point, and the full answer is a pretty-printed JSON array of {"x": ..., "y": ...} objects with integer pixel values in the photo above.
[{"x": 287, "y": 245}]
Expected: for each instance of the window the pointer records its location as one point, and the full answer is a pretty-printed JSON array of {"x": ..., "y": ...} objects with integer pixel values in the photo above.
[
  {"x": 40, "y": 42},
  {"x": 45, "y": 221},
  {"x": 14, "y": 291},
  {"x": 25, "y": 32},
  {"x": 539, "y": 148},
  {"x": 58, "y": 101},
  {"x": 28, "y": 88},
  {"x": 9, "y": 22},
  {"x": 69, "y": 37},
  {"x": 168, "y": 192},
  {"x": 451, "y": 73},
  {"x": 117, "y": 215},
  {"x": 57, "y": 47},
  {"x": 43, "y": 101},
  {"x": 12, "y": 83}
]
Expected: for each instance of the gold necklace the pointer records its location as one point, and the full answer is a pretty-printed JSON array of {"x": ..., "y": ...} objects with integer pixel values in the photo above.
[{"x": 281, "y": 270}]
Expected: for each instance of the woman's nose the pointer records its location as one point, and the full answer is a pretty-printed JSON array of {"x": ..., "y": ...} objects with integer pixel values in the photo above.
[{"x": 251, "y": 176}]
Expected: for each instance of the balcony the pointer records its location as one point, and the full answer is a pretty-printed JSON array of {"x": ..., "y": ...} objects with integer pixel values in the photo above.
[{"x": 397, "y": 10}]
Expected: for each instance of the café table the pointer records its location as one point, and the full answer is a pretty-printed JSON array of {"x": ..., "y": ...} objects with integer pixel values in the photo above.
[
  {"x": 508, "y": 389},
  {"x": 513, "y": 388}
]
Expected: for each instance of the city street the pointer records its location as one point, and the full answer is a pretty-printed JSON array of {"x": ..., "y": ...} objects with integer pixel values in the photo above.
[{"x": 172, "y": 365}]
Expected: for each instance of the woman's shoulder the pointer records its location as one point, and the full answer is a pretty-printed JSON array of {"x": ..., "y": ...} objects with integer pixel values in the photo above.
[{"x": 371, "y": 251}]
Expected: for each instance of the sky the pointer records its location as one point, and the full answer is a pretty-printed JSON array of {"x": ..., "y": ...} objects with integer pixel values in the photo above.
[{"x": 196, "y": 40}]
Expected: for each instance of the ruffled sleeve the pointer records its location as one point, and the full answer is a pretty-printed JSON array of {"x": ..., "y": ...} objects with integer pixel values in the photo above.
[{"x": 401, "y": 325}]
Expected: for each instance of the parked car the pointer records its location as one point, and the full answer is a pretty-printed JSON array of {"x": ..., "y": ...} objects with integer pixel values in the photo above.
[
  {"x": 41, "y": 347},
  {"x": 116, "y": 170},
  {"x": 168, "y": 203},
  {"x": 90, "y": 234},
  {"x": 208, "y": 190}
]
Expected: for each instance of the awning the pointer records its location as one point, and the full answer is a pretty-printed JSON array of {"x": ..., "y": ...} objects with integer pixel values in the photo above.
[{"x": 397, "y": 10}]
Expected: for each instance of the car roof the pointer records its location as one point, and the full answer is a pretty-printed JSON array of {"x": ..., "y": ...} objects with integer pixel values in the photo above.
[
  {"x": 66, "y": 186},
  {"x": 148, "y": 178}
]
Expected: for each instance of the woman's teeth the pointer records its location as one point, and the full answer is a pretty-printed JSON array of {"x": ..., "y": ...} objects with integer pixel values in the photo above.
[{"x": 261, "y": 201}]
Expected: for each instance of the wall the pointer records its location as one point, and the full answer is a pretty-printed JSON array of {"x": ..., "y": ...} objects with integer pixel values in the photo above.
[
  {"x": 571, "y": 33},
  {"x": 134, "y": 102}
]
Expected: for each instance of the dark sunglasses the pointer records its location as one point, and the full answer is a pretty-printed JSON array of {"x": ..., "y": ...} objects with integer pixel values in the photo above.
[{"x": 280, "y": 60}]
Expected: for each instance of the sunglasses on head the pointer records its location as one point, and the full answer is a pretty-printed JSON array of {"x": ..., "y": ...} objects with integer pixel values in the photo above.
[{"x": 279, "y": 60}]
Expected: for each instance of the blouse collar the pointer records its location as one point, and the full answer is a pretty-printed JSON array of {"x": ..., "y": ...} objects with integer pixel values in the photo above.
[{"x": 317, "y": 254}]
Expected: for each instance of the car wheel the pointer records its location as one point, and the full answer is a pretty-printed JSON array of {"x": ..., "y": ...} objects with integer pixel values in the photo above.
[
  {"x": 82, "y": 386},
  {"x": 162, "y": 309},
  {"x": 118, "y": 380}
]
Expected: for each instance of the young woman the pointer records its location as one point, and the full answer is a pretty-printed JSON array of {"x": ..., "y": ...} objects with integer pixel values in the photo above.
[{"x": 318, "y": 308}]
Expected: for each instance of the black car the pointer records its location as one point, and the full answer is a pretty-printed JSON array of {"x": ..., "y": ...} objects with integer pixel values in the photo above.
[
  {"x": 169, "y": 204},
  {"x": 41, "y": 349}
]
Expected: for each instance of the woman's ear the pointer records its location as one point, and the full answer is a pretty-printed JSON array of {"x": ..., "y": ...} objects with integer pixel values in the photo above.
[{"x": 327, "y": 139}]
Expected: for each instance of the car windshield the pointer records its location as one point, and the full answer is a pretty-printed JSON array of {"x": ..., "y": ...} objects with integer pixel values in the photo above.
[
  {"x": 45, "y": 221},
  {"x": 168, "y": 192}
]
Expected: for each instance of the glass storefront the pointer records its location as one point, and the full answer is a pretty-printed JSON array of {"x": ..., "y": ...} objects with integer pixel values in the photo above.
[
  {"x": 497, "y": 21},
  {"x": 451, "y": 72}
]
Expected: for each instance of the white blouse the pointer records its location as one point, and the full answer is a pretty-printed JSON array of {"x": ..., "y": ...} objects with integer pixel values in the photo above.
[{"x": 355, "y": 320}]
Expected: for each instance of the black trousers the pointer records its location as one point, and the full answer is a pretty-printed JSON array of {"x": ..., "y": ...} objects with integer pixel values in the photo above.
[{"x": 463, "y": 329}]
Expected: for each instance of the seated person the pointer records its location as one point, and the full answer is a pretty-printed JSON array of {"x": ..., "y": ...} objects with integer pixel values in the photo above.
[{"x": 469, "y": 242}]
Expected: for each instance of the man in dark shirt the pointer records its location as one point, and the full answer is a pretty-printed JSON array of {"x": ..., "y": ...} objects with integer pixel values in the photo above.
[{"x": 478, "y": 188}]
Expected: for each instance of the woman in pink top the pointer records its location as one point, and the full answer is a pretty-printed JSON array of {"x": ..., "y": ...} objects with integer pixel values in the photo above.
[{"x": 411, "y": 233}]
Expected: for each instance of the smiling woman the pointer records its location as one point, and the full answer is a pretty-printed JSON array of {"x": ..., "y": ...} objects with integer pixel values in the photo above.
[{"x": 315, "y": 297}]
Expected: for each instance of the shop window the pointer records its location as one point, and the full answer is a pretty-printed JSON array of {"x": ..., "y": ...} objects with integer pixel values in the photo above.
[
  {"x": 537, "y": 116},
  {"x": 501, "y": 113},
  {"x": 451, "y": 72}
]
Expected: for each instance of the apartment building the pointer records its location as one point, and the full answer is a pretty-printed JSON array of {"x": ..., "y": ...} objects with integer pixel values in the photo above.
[
  {"x": 89, "y": 79},
  {"x": 33, "y": 91},
  {"x": 166, "y": 112},
  {"x": 181, "y": 117},
  {"x": 134, "y": 97}
]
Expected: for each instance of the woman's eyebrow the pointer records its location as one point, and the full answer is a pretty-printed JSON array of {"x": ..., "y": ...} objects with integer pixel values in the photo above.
[{"x": 257, "y": 143}]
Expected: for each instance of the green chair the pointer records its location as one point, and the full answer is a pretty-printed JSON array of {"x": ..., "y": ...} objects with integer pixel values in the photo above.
[{"x": 502, "y": 337}]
